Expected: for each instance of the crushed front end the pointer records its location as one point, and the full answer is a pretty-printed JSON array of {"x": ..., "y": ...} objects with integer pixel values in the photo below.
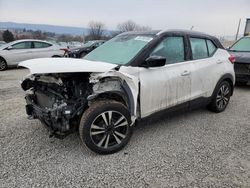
[{"x": 57, "y": 100}]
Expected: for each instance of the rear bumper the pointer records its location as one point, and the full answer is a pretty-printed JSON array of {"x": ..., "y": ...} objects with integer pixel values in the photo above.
[
  {"x": 242, "y": 77},
  {"x": 242, "y": 72}
]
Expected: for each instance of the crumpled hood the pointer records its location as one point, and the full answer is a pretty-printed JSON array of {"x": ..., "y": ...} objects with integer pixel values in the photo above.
[
  {"x": 241, "y": 57},
  {"x": 64, "y": 65}
]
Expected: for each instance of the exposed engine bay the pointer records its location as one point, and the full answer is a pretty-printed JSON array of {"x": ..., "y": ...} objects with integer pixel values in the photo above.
[{"x": 57, "y": 100}]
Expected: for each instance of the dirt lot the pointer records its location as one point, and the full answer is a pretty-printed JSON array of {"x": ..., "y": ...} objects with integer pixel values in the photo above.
[{"x": 194, "y": 149}]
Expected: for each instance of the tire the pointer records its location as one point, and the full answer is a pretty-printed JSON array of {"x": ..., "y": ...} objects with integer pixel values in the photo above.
[
  {"x": 102, "y": 134},
  {"x": 56, "y": 56},
  {"x": 221, "y": 97},
  {"x": 3, "y": 64},
  {"x": 82, "y": 55}
]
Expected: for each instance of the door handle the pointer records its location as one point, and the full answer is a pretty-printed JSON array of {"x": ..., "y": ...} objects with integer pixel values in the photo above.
[
  {"x": 219, "y": 61},
  {"x": 185, "y": 73}
]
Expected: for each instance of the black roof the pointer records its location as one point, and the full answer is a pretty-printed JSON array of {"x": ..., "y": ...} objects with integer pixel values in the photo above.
[{"x": 177, "y": 31}]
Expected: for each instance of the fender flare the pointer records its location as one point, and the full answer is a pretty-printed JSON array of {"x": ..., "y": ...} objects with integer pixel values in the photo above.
[
  {"x": 125, "y": 94},
  {"x": 227, "y": 76}
]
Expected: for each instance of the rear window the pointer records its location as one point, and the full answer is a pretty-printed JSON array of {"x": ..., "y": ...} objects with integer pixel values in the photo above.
[
  {"x": 199, "y": 48},
  {"x": 211, "y": 47},
  {"x": 41, "y": 45}
]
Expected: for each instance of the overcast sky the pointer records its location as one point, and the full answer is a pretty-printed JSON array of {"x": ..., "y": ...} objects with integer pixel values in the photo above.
[{"x": 217, "y": 17}]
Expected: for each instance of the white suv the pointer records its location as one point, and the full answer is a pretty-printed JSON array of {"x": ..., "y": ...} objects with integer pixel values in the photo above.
[{"x": 128, "y": 78}]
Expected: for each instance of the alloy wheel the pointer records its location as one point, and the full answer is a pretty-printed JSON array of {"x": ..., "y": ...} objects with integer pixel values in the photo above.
[
  {"x": 2, "y": 64},
  {"x": 109, "y": 129},
  {"x": 223, "y": 96}
]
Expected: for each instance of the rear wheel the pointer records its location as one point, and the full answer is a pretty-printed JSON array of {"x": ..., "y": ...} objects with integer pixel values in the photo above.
[
  {"x": 105, "y": 127},
  {"x": 3, "y": 64},
  {"x": 221, "y": 97}
]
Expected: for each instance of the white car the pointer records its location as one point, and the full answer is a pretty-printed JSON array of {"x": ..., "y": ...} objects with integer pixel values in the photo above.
[
  {"x": 131, "y": 77},
  {"x": 14, "y": 52}
]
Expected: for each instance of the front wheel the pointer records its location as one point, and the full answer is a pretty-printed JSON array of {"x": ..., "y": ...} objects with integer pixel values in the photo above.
[
  {"x": 221, "y": 97},
  {"x": 105, "y": 127},
  {"x": 3, "y": 64}
]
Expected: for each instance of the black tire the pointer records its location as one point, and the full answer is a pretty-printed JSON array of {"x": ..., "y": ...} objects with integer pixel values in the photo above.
[
  {"x": 3, "y": 64},
  {"x": 221, "y": 97},
  {"x": 102, "y": 134},
  {"x": 82, "y": 55}
]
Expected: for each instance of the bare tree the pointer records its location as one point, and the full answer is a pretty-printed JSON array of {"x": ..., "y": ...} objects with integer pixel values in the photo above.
[
  {"x": 131, "y": 26},
  {"x": 127, "y": 26},
  {"x": 96, "y": 30}
]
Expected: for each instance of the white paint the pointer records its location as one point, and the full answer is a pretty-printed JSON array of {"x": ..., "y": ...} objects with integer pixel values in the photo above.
[
  {"x": 132, "y": 81},
  {"x": 160, "y": 87},
  {"x": 14, "y": 56},
  {"x": 64, "y": 65}
]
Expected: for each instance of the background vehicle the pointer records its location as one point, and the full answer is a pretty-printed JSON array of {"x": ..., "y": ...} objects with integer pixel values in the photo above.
[
  {"x": 241, "y": 51},
  {"x": 14, "y": 52},
  {"x": 130, "y": 77},
  {"x": 2, "y": 43},
  {"x": 80, "y": 52},
  {"x": 247, "y": 28}
]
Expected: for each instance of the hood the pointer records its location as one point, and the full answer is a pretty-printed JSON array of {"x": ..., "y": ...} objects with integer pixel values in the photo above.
[
  {"x": 64, "y": 65},
  {"x": 241, "y": 57}
]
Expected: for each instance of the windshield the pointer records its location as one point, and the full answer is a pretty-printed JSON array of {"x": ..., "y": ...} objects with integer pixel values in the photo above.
[
  {"x": 88, "y": 44},
  {"x": 119, "y": 50},
  {"x": 243, "y": 45}
]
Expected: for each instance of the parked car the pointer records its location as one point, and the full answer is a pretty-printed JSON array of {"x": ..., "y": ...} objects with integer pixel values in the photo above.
[
  {"x": 2, "y": 43},
  {"x": 14, "y": 52},
  {"x": 241, "y": 51},
  {"x": 131, "y": 77},
  {"x": 80, "y": 52}
]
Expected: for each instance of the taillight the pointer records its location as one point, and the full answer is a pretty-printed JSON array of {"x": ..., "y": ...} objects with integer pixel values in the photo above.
[
  {"x": 65, "y": 51},
  {"x": 232, "y": 59}
]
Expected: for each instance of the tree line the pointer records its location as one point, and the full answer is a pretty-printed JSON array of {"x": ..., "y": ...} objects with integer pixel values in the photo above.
[{"x": 96, "y": 31}]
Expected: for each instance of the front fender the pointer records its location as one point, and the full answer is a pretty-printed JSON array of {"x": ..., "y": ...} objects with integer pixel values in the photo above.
[{"x": 115, "y": 81}]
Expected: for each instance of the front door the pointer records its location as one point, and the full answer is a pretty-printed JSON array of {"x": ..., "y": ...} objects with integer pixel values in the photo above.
[{"x": 167, "y": 86}]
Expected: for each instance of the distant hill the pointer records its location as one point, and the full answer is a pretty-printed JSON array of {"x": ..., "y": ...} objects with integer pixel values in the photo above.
[{"x": 43, "y": 27}]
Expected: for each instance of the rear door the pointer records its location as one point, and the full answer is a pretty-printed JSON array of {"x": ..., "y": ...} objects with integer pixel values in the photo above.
[
  {"x": 207, "y": 67},
  {"x": 42, "y": 49},
  {"x": 163, "y": 87}
]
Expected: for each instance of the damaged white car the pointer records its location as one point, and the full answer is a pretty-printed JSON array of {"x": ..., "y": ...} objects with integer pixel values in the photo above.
[{"x": 130, "y": 77}]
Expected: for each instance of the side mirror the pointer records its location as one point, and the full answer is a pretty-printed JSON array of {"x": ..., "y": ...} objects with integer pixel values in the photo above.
[
  {"x": 9, "y": 48},
  {"x": 155, "y": 61}
]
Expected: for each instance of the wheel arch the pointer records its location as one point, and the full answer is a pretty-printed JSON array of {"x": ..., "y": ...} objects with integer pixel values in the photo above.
[
  {"x": 4, "y": 59},
  {"x": 1, "y": 57},
  {"x": 226, "y": 77},
  {"x": 113, "y": 89}
]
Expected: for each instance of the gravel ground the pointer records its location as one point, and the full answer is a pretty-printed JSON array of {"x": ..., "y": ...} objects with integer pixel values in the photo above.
[{"x": 193, "y": 149}]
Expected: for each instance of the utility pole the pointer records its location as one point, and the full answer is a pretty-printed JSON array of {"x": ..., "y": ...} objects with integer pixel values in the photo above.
[{"x": 238, "y": 29}]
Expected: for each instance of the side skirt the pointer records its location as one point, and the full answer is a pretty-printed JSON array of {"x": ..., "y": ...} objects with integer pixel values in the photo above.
[{"x": 175, "y": 110}]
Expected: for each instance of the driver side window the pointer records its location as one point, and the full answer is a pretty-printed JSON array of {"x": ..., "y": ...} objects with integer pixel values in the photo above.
[{"x": 172, "y": 48}]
